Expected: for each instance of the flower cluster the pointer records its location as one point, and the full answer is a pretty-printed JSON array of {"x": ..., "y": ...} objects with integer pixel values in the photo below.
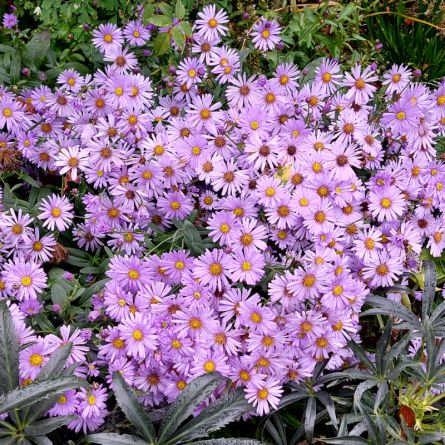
[{"x": 313, "y": 190}]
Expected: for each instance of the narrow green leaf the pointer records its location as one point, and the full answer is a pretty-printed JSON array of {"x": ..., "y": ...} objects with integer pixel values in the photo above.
[
  {"x": 309, "y": 418},
  {"x": 196, "y": 392},
  {"x": 162, "y": 43},
  {"x": 220, "y": 413},
  {"x": 9, "y": 351},
  {"x": 347, "y": 440},
  {"x": 230, "y": 442},
  {"x": 429, "y": 287},
  {"x": 132, "y": 408},
  {"x": 22, "y": 397},
  {"x": 115, "y": 439},
  {"x": 45, "y": 426}
]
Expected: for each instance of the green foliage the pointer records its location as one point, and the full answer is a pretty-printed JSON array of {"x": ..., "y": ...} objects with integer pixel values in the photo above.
[
  {"x": 175, "y": 427},
  {"x": 25, "y": 405},
  {"x": 409, "y": 32}
]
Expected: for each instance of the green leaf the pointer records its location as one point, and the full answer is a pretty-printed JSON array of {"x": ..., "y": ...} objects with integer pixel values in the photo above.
[
  {"x": 347, "y": 440},
  {"x": 309, "y": 418},
  {"x": 148, "y": 11},
  {"x": 59, "y": 294},
  {"x": 22, "y": 397},
  {"x": 179, "y": 9},
  {"x": 132, "y": 408},
  {"x": 161, "y": 43},
  {"x": 45, "y": 426},
  {"x": 37, "y": 47},
  {"x": 429, "y": 287},
  {"x": 186, "y": 28},
  {"x": 42, "y": 440},
  {"x": 195, "y": 392},
  {"x": 115, "y": 439},
  {"x": 230, "y": 442},
  {"x": 220, "y": 413},
  {"x": 14, "y": 70},
  {"x": 178, "y": 36},
  {"x": 9, "y": 351},
  {"x": 192, "y": 238},
  {"x": 160, "y": 20}
]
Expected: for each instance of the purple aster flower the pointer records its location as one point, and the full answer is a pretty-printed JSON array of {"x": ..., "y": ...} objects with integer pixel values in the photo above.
[
  {"x": 130, "y": 272},
  {"x": 211, "y": 23},
  {"x": 56, "y": 212},
  {"x": 359, "y": 85},
  {"x": 139, "y": 335},
  {"x": 66, "y": 404},
  {"x": 136, "y": 34},
  {"x": 24, "y": 281},
  {"x": 107, "y": 37},
  {"x": 266, "y": 34},
  {"x": 264, "y": 393},
  {"x": 9, "y": 20},
  {"x": 211, "y": 269},
  {"x": 247, "y": 266}
]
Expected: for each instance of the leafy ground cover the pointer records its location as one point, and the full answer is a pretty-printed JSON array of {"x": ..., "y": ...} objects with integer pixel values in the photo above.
[{"x": 221, "y": 221}]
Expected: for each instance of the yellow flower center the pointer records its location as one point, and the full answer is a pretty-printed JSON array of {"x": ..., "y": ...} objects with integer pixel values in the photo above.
[
  {"x": 401, "y": 115},
  {"x": 91, "y": 399},
  {"x": 326, "y": 77},
  {"x": 225, "y": 228},
  {"x": 195, "y": 323},
  {"x": 26, "y": 281},
  {"x": 338, "y": 290},
  {"x": 386, "y": 203},
  {"x": 119, "y": 91},
  {"x": 56, "y": 212},
  {"x": 215, "y": 269},
  {"x": 213, "y": 23},
  {"x": 133, "y": 274},
  {"x": 246, "y": 266},
  {"x": 138, "y": 335},
  {"x": 108, "y": 38},
  {"x": 263, "y": 394},
  {"x": 209, "y": 366},
  {"x": 7, "y": 112},
  {"x": 35, "y": 360},
  {"x": 309, "y": 280}
]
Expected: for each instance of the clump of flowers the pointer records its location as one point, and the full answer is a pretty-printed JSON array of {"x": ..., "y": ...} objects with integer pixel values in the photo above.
[{"x": 312, "y": 193}]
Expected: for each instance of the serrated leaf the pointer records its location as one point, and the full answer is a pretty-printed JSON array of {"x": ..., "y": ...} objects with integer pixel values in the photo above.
[
  {"x": 45, "y": 426},
  {"x": 186, "y": 28},
  {"x": 115, "y": 439},
  {"x": 160, "y": 20},
  {"x": 22, "y": 397},
  {"x": 220, "y": 413},
  {"x": 9, "y": 351},
  {"x": 179, "y": 9},
  {"x": 178, "y": 36},
  {"x": 37, "y": 47},
  {"x": 161, "y": 43},
  {"x": 195, "y": 392},
  {"x": 132, "y": 408}
]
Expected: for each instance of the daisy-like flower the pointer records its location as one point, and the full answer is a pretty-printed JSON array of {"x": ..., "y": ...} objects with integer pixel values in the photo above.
[
  {"x": 211, "y": 268},
  {"x": 190, "y": 71},
  {"x": 123, "y": 60},
  {"x": 211, "y": 23},
  {"x": 107, "y": 37},
  {"x": 383, "y": 270},
  {"x": 135, "y": 33},
  {"x": 264, "y": 393},
  {"x": 386, "y": 205},
  {"x": 33, "y": 358},
  {"x": 92, "y": 402},
  {"x": 56, "y": 212},
  {"x": 397, "y": 78},
  {"x": 66, "y": 404},
  {"x": 266, "y": 34},
  {"x": 359, "y": 85},
  {"x": 139, "y": 335},
  {"x": 130, "y": 272},
  {"x": 328, "y": 75},
  {"x": 368, "y": 244},
  {"x": 25, "y": 280},
  {"x": 436, "y": 241},
  {"x": 70, "y": 160},
  {"x": 12, "y": 115},
  {"x": 247, "y": 266}
]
